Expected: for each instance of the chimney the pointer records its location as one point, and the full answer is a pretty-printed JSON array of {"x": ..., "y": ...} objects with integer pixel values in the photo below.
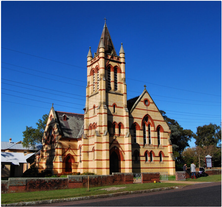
[{"x": 10, "y": 140}]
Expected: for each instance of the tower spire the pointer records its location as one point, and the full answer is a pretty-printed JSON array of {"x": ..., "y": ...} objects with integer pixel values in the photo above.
[{"x": 107, "y": 41}]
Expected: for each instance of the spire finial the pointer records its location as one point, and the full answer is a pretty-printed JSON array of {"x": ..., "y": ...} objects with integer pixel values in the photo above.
[
  {"x": 89, "y": 53},
  {"x": 52, "y": 105},
  {"x": 121, "y": 49},
  {"x": 144, "y": 86},
  {"x": 105, "y": 20}
]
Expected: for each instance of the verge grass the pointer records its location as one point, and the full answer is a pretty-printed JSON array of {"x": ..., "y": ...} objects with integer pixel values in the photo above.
[
  {"x": 211, "y": 178},
  {"x": 77, "y": 192}
]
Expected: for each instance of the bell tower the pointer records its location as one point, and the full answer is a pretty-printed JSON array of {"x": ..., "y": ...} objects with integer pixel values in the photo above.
[{"x": 106, "y": 119}]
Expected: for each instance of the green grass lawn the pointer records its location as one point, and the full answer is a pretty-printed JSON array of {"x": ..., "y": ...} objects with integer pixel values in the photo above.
[
  {"x": 211, "y": 178},
  {"x": 77, "y": 192}
]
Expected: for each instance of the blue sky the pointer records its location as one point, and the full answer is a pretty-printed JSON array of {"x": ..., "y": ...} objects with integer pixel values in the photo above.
[{"x": 174, "y": 48}]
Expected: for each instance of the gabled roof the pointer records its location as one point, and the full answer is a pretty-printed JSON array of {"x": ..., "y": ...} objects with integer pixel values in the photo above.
[
  {"x": 106, "y": 41},
  {"x": 72, "y": 126},
  {"x": 15, "y": 157},
  {"x": 131, "y": 104}
]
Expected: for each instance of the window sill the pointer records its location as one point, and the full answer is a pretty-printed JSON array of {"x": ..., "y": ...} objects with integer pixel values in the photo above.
[
  {"x": 148, "y": 162},
  {"x": 94, "y": 93},
  {"x": 148, "y": 146}
]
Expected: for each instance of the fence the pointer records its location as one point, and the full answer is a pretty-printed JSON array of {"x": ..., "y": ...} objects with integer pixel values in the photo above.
[{"x": 73, "y": 181}]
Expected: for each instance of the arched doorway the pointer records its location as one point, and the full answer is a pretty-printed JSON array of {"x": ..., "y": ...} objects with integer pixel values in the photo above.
[
  {"x": 114, "y": 162},
  {"x": 68, "y": 164}
]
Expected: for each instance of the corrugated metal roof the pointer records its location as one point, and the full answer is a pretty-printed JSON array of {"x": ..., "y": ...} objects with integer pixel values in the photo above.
[
  {"x": 71, "y": 126},
  {"x": 14, "y": 146},
  {"x": 15, "y": 157}
]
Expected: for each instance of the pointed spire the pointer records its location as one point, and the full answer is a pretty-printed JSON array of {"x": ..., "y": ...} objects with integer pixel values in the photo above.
[
  {"x": 107, "y": 42},
  {"x": 121, "y": 49},
  {"x": 89, "y": 53},
  {"x": 101, "y": 45},
  {"x": 105, "y": 22}
]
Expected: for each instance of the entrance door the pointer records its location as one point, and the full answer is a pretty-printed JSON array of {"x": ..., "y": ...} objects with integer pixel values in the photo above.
[
  {"x": 114, "y": 163},
  {"x": 68, "y": 164}
]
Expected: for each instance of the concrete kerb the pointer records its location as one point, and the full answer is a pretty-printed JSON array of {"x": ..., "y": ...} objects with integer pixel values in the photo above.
[{"x": 30, "y": 203}]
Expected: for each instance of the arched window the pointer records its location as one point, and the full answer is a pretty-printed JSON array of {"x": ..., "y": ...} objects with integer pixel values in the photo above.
[
  {"x": 151, "y": 156},
  {"x": 114, "y": 126},
  {"x": 80, "y": 153},
  {"x": 161, "y": 157},
  {"x": 49, "y": 135},
  {"x": 94, "y": 109},
  {"x": 136, "y": 156},
  {"x": 115, "y": 79},
  {"x": 134, "y": 132},
  {"x": 50, "y": 131},
  {"x": 93, "y": 151},
  {"x": 108, "y": 78},
  {"x": 93, "y": 81},
  {"x": 158, "y": 135},
  {"x": 144, "y": 133},
  {"x": 144, "y": 123},
  {"x": 146, "y": 157},
  {"x": 109, "y": 127},
  {"x": 119, "y": 129},
  {"x": 97, "y": 79},
  {"x": 149, "y": 134}
]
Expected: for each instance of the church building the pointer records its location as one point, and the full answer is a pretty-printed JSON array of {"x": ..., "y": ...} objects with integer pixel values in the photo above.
[{"x": 114, "y": 134}]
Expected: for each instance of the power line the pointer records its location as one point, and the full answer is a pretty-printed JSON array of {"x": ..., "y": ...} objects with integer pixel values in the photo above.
[
  {"x": 25, "y": 104},
  {"x": 43, "y": 77},
  {"x": 39, "y": 101},
  {"x": 178, "y": 119},
  {"x": 42, "y": 87},
  {"x": 127, "y": 77},
  {"x": 190, "y": 113},
  {"x": 83, "y": 86},
  {"x": 43, "y": 58},
  {"x": 45, "y": 72},
  {"x": 40, "y": 97},
  {"x": 155, "y": 99},
  {"x": 172, "y": 87},
  {"x": 177, "y": 112},
  {"x": 51, "y": 93}
]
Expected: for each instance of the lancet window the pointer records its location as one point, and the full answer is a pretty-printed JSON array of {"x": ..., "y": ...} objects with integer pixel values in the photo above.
[
  {"x": 97, "y": 79},
  {"x": 108, "y": 78},
  {"x": 115, "y": 79}
]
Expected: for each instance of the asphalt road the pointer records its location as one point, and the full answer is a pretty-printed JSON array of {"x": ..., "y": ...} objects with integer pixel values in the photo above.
[{"x": 204, "y": 194}]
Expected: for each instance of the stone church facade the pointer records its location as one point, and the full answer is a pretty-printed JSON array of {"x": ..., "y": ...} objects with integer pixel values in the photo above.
[{"x": 114, "y": 134}]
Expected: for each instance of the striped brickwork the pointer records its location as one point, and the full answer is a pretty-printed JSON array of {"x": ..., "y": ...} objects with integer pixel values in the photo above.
[{"x": 108, "y": 126}]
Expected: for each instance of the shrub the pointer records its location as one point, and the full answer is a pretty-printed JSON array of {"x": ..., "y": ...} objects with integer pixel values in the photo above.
[{"x": 88, "y": 173}]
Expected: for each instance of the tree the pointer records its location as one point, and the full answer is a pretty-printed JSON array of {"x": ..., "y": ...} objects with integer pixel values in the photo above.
[
  {"x": 32, "y": 136},
  {"x": 179, "y": 138},
  {"x": 208, "y": 135},
  {"x": 197, "y": 155},
  {"x": 189, "y": 155}
]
